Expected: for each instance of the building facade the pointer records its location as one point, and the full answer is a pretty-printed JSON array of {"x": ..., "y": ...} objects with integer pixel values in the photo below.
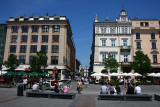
[
  {"x": 53, "y": 34},
  {"x": 146, "y": 38},
  {"x": 112, "y": 37},
  {"x": 3, "y": 29}
]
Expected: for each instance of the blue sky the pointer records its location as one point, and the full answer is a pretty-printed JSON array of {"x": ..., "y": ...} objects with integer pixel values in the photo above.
[{"x": 81, "y": 15}]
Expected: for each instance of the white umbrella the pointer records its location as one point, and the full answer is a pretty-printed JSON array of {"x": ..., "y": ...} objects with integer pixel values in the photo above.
[
  {"x": 98, "y": 74},
  {"x": 114, "y": 74},
  {"x": 137, "y": 74},
  {"x": 151, "y": 74},
  {"x": 156, "y": 75},
  {"x": 124, "y": 74}
]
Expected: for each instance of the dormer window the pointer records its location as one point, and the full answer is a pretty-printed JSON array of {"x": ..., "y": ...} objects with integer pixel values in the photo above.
[{"x": 123, "y": 19}]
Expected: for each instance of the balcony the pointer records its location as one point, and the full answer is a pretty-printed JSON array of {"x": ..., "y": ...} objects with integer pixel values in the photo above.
[
  {"x": 125, "y": 63},
  {"x": 125, "y": 48}
]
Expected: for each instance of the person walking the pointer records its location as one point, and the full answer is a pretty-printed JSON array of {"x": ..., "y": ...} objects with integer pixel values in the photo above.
[
  {"x": 79, "y": 86},
  {"x": 86, "y": 81},
  {"x": 104, "y": 89}
]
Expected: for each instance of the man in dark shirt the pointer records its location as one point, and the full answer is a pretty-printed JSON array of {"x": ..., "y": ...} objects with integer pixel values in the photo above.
[{"x": 56, "y": 88}]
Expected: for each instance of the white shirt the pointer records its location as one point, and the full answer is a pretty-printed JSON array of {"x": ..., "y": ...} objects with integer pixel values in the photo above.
[
  {"x": 25, "y": 81},
  {"x": 137, "y": 90},
  {"x": 35, "y": 87}
]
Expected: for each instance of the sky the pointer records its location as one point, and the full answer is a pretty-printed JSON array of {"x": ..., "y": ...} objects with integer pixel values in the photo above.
[{"x": 81, "y": 15}]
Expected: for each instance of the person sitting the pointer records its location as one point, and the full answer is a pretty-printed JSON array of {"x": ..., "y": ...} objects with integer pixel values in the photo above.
[
  {"x": 65, "y": 89},
  {"x": 112, "y": 89},
  {"x": 130, "y": 89},
  {"x": 118, "y": 89},
  {"x": 137, "y": 90},
  {"x": 35, "y": 87},
  {"x": 104, "y": 89},
  {"x": 56, "y": 88}
]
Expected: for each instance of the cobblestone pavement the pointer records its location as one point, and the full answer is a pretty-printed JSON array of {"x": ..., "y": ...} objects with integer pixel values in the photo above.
[{"x": 88, "y": 98}]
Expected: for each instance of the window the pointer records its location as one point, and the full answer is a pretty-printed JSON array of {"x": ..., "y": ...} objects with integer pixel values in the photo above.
[
  {"x": 23, "y": 49},
  {"x": 56, "y": 28},
  {"x": 103, "y": 57},
  {"x": 45, "y": 28},
  {"x": 138, "y": 44},
  {"x": 25, "y": 19},
  {"x": 34, "y": 38},
  {"x": 153, "y": 45},
  {"x": 33, "y": 49},
  {"x": 15, "y": 29},
  {"x": 125, "y": 58},
  {"x": 14, "y": 38},
  {"x": 35, "y": 28},
  {"x": 122, "y": 30},
  {"x": 35, "y": 19},
  {"x": 103, "y": 42},
  {"x": 137, "y": 35},
  {"x": 44, "y": 38},
  {"x": 104, "y": 30},
  {"x": 24, "y": 28},
  {"x": 13, "y": 48},
  {"x": 125, "y": 42},
  {"x": 112, "y": 42},
  {"x": 126, "y": 30},
  {"x": 31, "y": 59},
  {"x": 114, "y": 56},
  {"x": 144, "y": 24},
  {"x": 22, "y": 59},
  {"x": 55, "y": 48},
  {"x": 141, "y": 23},
  {"x": 55, "y": 38},
  {"x": 44, "y": 47},
  {"x": 46, "y": 18},
  {"x": 154, "y": 58},
  {"x": 54, "y": 60},
  {"x": 152, "y": 35},
  {"x": 112, "y": 30},
  {"x": 24, "y": 38}
]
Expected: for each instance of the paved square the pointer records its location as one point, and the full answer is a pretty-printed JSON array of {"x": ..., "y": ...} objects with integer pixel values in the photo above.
[{"x": 88, "y": 98}]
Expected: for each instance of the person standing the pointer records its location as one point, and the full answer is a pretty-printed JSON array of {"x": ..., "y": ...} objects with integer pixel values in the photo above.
[
  {"x": 79, "y": 86},
  {"x": 104, "y": 89},
  {"x": 137, "y": 89},
  {"x": 24, "y": 82},
  {"x": 129, "y": 81}
]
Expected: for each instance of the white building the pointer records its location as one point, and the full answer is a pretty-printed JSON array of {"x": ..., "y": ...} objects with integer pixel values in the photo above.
[{"x": 112, "y": 37}]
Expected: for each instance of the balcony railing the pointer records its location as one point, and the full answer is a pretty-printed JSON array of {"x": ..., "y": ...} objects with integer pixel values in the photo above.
[{"x": 125, "y": 48}]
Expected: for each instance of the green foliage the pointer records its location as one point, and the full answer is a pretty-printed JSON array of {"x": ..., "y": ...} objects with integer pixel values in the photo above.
[
  {"x": 12, "y": 62},
  {"x": 39, "y": 61},
  {"x": 110, "y": 64},
  {"x": 141, "y": 63}
]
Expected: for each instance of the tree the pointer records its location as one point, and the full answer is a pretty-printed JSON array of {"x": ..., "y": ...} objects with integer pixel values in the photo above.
[
  {"x": 110, "y": 64},
  {"x": 39, "y": 61},
  {"x": 12, "y": 62},
  {"x": 141, "y": 63}
]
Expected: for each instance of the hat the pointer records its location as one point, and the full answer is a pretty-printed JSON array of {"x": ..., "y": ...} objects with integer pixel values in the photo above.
[{"x": 104, "y": 83}]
